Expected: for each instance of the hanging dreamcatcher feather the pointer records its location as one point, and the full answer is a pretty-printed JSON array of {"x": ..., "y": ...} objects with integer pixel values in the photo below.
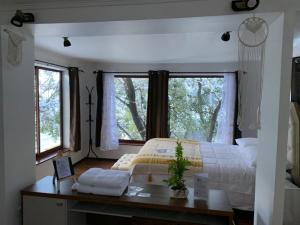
[{"x": 252, "y": 34}]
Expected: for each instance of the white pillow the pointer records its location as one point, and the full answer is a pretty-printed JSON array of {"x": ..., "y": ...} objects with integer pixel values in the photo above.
[{"x": 244, "y": 142}]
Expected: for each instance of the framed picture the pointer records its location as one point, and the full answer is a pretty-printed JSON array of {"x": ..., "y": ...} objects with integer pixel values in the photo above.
[{"x": 63, "y": 168}]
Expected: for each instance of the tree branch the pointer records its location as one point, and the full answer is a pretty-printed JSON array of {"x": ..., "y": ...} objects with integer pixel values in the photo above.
[
  {"x": 213, "y": 121},
  {"x": 130, "y": 92},
  {"x": 122, "y": 101},
  {"x": 125, "y": 131}
]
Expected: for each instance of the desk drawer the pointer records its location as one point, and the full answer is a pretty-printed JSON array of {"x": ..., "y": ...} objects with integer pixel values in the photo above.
[{"x": 45, "y": 211}]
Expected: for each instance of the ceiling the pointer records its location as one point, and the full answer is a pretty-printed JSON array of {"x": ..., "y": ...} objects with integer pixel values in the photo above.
[{"x": 186, "y": 40}]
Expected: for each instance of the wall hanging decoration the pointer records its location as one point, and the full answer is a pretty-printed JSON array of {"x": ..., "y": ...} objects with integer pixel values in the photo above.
[
  {"x": 252, "y": 34},
  {"x": 14, "y": 47}
]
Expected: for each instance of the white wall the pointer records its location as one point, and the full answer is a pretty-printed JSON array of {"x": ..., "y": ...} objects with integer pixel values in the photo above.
[
  {"x": 175, "y": 67},
  {"x": 18, "y": 128},
  {"x": 270, "y": 170},
  {"x": 2, "y": 176}
]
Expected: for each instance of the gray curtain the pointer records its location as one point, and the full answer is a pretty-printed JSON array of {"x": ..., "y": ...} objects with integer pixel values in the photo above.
[{"x": 75, "y": 129}]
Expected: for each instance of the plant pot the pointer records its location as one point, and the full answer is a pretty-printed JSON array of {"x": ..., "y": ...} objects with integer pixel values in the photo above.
[{"x": 181, "y": 194}]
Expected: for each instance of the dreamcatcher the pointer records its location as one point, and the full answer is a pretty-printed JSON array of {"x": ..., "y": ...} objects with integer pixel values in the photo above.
[{"x": 252, "y": 34}]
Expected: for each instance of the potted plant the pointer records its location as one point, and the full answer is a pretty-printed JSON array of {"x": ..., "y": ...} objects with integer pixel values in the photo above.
[{"x": 176, "y": 169}]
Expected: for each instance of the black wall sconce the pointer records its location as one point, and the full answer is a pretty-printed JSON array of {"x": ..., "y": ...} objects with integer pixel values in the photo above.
[
  {"x": 19, "y": 18},
  {"x": 226, "y": 36},
  {"x": 67, "y": 42},
  {"x": 244, "y": 5}
]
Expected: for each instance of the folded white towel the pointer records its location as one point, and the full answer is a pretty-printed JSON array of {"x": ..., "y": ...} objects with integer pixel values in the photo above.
[
  {"x": 107, "y": 179},
  {"x": 98, "y": 190}
]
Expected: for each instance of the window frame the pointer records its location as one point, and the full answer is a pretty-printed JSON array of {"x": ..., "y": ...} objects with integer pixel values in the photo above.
[
  {"x": 131, "y": 75},
  {"x": 52, "y": 151}
]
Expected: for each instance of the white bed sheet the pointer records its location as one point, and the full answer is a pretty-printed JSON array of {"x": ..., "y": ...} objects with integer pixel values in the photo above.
[{"x": 227, "y": 168}]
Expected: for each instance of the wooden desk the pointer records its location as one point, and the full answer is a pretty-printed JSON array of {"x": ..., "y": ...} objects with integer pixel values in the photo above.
[{"x": 159, "y": 207}]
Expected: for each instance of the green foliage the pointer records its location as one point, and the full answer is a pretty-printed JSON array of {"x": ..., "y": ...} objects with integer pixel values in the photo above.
[
  {"x": 125, "y": 121},
  {"x": 49, "y": 103},
  {"x": 176, "y": 169},
  {"x": 192, "y": 102}
]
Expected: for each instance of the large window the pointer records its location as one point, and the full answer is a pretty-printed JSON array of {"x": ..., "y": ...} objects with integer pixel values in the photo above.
[
  {"x": 194, "y": 105},
  {"x": 131, "y": 107},
  {"x": 195, "y": 109},
  {"x": 49, "y": 111}
]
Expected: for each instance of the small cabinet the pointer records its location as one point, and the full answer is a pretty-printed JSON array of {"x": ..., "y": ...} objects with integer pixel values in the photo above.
[{"x": 46, "y": 211}]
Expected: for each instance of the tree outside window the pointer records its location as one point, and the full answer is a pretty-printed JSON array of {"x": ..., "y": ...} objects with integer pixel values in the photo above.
[
  {"x": 194, "y": 106},
  {"x": 131, "y": 107},
  {"x": 48, "y": 115}
]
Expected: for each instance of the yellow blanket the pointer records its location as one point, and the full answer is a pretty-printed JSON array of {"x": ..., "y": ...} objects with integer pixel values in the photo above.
[{"x": 162, "y": 151}]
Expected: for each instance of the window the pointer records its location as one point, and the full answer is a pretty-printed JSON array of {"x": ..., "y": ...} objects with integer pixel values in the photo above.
[
  {"x": 131, "y": 107},
  {"x": 49, "y": 111},
  {"x": 194, "y": 105}
]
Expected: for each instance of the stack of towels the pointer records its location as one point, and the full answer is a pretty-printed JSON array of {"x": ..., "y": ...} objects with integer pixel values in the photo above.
[{"x": 102, "y": 182}]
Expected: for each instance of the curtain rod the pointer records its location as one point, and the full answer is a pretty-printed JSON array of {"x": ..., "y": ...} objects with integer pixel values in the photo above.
[
  {"x": 53, "y": 64},
  {"x": 169, "y": 72}
]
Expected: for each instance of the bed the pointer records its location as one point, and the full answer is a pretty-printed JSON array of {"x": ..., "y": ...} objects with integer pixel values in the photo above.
[{"x": 226, "y": 166}]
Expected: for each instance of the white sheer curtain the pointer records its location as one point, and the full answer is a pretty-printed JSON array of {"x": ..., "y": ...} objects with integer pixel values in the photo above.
[
  {"x": 109, "y": 130},
  {"x": 226, "y": 115}
]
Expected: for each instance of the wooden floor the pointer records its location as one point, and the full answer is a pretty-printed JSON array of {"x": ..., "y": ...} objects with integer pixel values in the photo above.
[
  {"x": 240, "y": 217},
  {"x": 92, "y": 163}
]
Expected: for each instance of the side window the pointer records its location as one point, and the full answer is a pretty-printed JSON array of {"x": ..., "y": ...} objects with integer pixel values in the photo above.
[{"x": 48, "y": 111}]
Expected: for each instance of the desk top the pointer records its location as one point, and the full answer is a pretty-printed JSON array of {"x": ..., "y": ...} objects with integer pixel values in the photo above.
[{"x": 217, "y": 203}]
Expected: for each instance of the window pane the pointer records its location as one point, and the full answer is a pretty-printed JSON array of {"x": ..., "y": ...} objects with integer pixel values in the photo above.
[
  {"x": 50, "y": 111},
  {"x": 131, "y": 107},
  {"x": 194, "y": 105}
]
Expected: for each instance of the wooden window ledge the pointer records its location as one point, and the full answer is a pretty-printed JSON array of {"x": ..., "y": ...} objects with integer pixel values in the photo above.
[{"x": 41, "y": 160}]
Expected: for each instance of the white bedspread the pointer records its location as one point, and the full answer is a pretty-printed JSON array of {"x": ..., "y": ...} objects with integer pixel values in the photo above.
[{"x": 228, "y": 169}]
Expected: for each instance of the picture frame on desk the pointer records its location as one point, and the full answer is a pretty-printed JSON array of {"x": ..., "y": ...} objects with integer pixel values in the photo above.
[{"x": 63, "y": 169}]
